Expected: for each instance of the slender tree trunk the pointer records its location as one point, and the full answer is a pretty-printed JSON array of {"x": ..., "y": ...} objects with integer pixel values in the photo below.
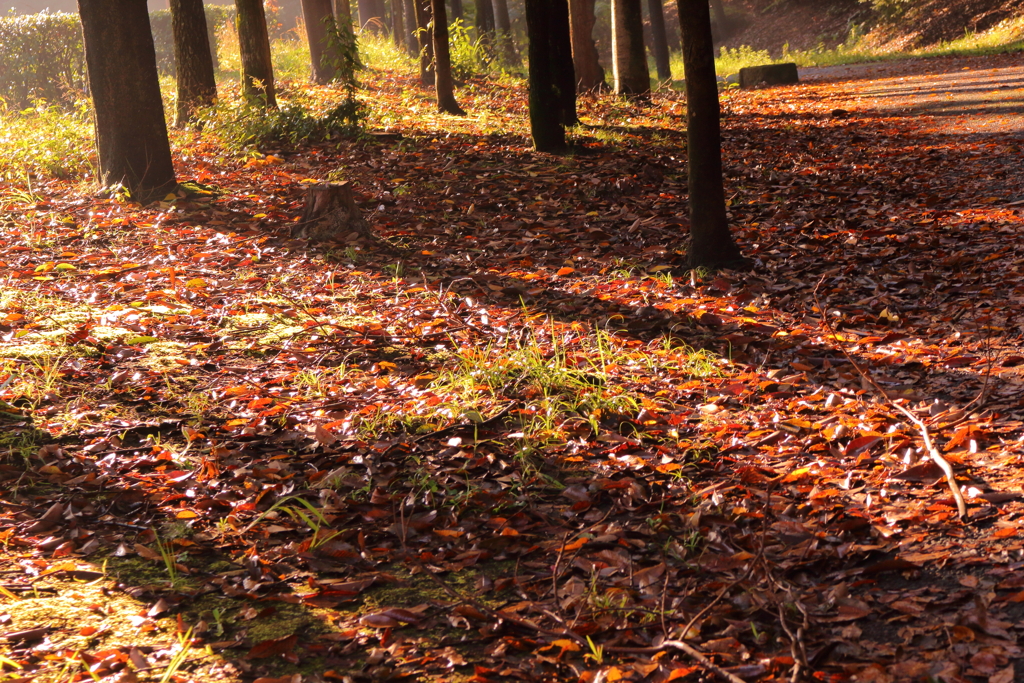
[
  {"x": 561, "y": 58},
  {"x": 629, "y": 58},
  {"x": 370, "y": 16},
  {"x": 586, "y": 61},
  {"x": 484, "y": 20},
  {"x": 343, "y": 13},
  {"x": 443, "y": 84},
  {"x": 254, "y": 46},
  {"x": 315, "y": 15},
  {"x": 503, "y": 24},
  {"x": 457, "y": 11},
  {"x": 710, "y": 241},
  {"x": 721, "y": 21},
  {"x": 426, "y": 42},
  {"x": 197, "y": 85},
  {"x": 399, "y": 25},
  {"x": 547, "y": 100},
  {"x": 660, "y": 39},
  {"x": 131, "y": 133},
  {"x": 411, "y": 43}
]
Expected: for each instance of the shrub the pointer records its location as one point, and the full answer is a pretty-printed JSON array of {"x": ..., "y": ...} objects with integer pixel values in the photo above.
[
  {"x": 43, "y": 58},
  {"x": 469, "y": 57},
  {"x": 47, "y": 141},
  {"x": 241, "y": 126}
]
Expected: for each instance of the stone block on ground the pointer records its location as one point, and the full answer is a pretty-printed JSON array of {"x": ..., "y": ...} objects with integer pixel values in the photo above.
[{"x": 769, "y": 74}]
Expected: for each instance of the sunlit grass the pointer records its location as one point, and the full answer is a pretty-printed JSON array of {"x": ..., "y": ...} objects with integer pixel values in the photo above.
[
  {"x": 46, "y": 141},
  {"x": 380, "y": 52}
]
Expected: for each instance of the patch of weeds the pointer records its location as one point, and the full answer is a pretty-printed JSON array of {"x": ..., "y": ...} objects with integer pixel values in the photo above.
[
  {"x": 241, "y": 126},
  {"x": 46, "y": 141}
]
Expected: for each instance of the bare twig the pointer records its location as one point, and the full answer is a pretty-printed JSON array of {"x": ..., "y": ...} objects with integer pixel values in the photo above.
[
  {"x": 933, "y": 452},
  {"x": 690, "y": 650}
]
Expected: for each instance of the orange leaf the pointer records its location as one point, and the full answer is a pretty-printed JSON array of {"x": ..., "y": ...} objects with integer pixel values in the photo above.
[{"x": 270, "y": 648}]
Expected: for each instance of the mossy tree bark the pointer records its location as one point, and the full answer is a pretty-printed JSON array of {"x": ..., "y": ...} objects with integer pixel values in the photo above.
[
  {"x": 315, "y": 15},
  {"x": 629, "y": 60},
  {"x": 586, "y": 61},
  {"x": 659, "y": 39},
  {"x": 131, "y": 132},
  {"x": 196, "y": 83},
  {"x": 711, "y": 244},
  {"x": 546, "y": 21},
  {"x": 426, "y": 42},
  {"x": 443, "y": 84},
  {"x": 254, "y": 46}
]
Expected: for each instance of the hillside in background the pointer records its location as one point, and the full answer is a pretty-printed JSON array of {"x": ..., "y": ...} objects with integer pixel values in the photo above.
[{"x": 891, "y": 25}]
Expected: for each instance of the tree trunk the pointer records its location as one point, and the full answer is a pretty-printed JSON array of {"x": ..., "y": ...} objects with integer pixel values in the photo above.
[
  {"x": 629, "y": 59},
  {"x": 484, "y": 20},
  {"x": 254, "y": 46},
  {"x": 331, "y": 215},
  {"x": 503, "y": 25},
  {"x": 315, "y": 15},
  {"x": 197, "y": 85},
  {"x": 443, "y": 85},
  {"x": 412, "y": 44},
  {"x": 561, "y": 59},
  {"x": 131, "y": 133},
  {"x": 586, "y": 61},
  {"x": 547, "y": 100},
  {"x": 426, "y": 42},
  {"x": 721, "y": 22},
  {"x": 710, "y": 242},
  {"x": 398, "y": 33},
  {"x": 660, "y": 40},
  {"x": 457, "y": 11},
  {"x": 343, "y": 13},
  {"x": 370, "y": 16}
]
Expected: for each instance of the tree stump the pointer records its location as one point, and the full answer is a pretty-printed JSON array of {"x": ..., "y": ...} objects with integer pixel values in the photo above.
[
  {"x": 769, "y": 74},
  {"x": 331, "y": 215}
]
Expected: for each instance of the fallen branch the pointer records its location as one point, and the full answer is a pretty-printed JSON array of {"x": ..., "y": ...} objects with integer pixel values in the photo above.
[{"x": 947, "y": 469}]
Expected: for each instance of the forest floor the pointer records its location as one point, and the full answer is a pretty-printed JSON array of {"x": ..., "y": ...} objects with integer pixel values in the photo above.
[{"x": 513, "y": 439}]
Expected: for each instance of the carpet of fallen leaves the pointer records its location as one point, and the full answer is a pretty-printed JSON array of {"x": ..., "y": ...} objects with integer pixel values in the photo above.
[{"x": 514, "y": 439}]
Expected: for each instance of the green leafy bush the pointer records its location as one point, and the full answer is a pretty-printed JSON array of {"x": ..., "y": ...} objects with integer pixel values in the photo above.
[
  {"x": 42, "y": 58},
  {"x": 889, "y": 10},
  {"x": 469, "y": 57},
  {"x": 241, "y": 126}
]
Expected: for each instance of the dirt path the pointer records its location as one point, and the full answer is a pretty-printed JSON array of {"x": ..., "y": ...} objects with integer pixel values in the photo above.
[{"x": 965, "y": 96}]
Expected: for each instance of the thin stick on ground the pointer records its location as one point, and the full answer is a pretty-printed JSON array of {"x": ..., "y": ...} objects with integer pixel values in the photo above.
[{"x": 947, "y": 469}]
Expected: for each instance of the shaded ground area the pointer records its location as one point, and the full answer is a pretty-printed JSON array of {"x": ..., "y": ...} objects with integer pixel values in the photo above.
[{"x": 506, "y": 442}]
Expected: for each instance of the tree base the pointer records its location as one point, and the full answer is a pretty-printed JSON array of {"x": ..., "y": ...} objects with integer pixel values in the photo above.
[{"x": 331, "y": 215}]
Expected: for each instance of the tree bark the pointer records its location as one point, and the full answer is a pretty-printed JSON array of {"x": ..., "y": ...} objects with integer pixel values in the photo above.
[
  {"x": 484, "y": 20},
  {"x": 254, "y": 46},
  {"x": 370, "y": 16},
  {"x": 398, "y": 32},
  {"x": 131, "y": 133},
  {"x": 586, "y": 61},
  {"x": 711, "y": 243},
  {"x": 721, "y": 22},
  {"x": 503, "y": 26},
  {"x": 411, "y": 43},
  {"x": 315, "y": 15},
  {"x": 457, "y": 11},
  {"x": 426, "y": 42},
  {"x": 629, "y": 60},
  {"x": 561, "y": 57},
  {"x": 331, "y": 215},
  {"x": 544, "y": 21},
  {"x": 443, "y": 85},
  {"x": 196, "y": 83},
  {"x": 343, "y": 13},
  {"x": 660, "y": 39}
]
